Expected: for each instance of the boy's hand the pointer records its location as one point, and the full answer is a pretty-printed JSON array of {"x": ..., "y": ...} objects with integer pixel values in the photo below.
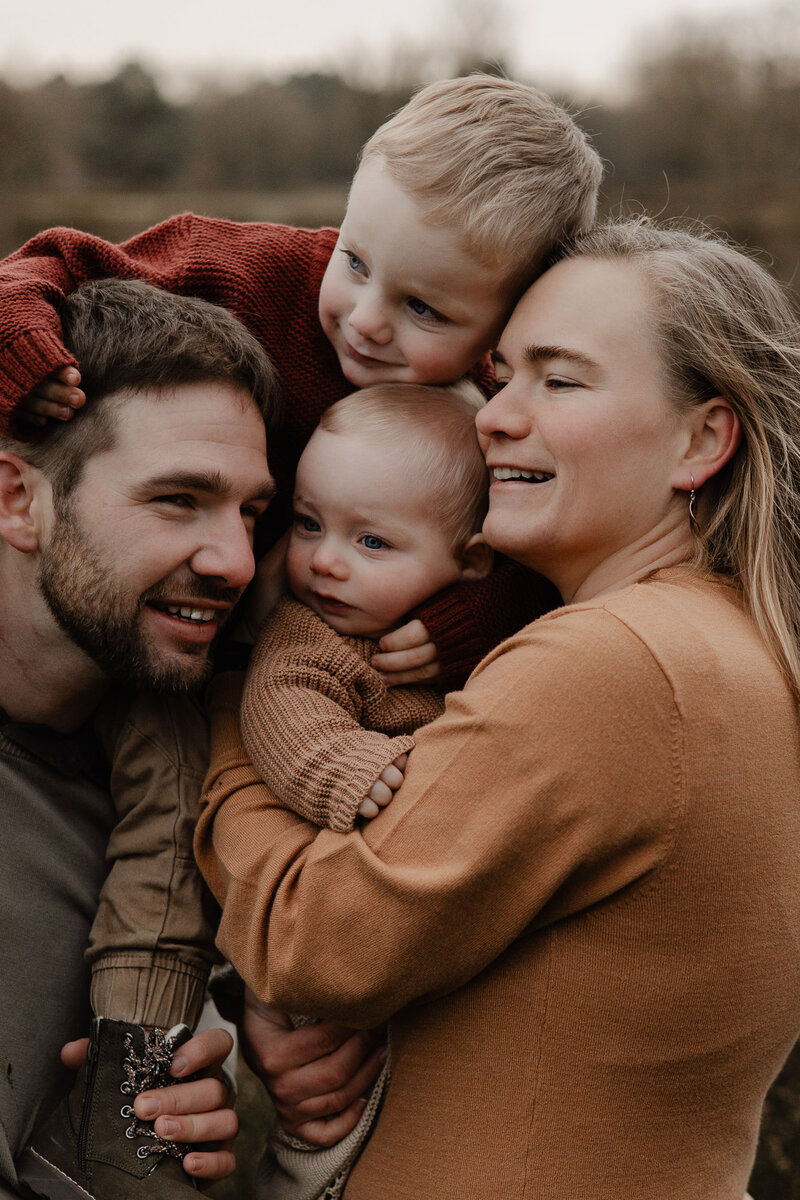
[
  {"x": 407, "y": 655},
  {"x": 56, "y": 398},
  {"x": 200, "y": 1110},
  {"x": 263, "y": 593},
  {"x": 318, "y": 1075},
  {"x": 384, "y": 788}
]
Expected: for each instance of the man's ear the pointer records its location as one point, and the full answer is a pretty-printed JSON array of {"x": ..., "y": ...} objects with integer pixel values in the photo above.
[
  {"x": 477, "y": 558},
  {"x": 716, "y": 434},
  {"x": 24, "y": 495}
]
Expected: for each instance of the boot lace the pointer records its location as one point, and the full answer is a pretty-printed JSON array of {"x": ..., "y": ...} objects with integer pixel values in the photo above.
[{"x": 142, "y": 1074}]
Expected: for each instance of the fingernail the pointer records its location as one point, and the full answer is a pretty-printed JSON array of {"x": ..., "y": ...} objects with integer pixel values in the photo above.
[
  {"x": 71, "y": 375},
  {"x": 194, "y": 1162},
  {"x": 361, "y": 1104},
  {"x": 147, "y": 1109},
  {"x": 178, "y": 1064},
  {"x": 168, "y": 1128}
]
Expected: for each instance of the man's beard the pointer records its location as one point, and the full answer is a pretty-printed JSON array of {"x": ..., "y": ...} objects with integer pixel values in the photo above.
[{"x": 92, "y": 607}]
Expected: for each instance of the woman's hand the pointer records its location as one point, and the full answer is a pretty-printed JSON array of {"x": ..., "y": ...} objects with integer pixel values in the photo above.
[
  {"x": 407, "y": 655},
  {"x": 318, "y": 1075},
  {"x": 56, "y": 398},
  {"x": 199, "y": 1111}
]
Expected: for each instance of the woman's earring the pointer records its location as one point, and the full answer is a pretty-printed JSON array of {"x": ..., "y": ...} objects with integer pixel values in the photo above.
[{"x": 692, "y": 497}]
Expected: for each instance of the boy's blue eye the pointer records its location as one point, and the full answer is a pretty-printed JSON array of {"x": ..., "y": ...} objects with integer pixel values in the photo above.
[
  {"x": 354, "y": 262},
  {"x": 421, "y": 309},
  {"x": 372, "y": 542}
]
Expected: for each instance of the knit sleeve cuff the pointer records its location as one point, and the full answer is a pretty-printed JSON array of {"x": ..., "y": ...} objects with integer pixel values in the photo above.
[
  {"x": 452, "y": 627},
  {"x": 24, "y": 362}
]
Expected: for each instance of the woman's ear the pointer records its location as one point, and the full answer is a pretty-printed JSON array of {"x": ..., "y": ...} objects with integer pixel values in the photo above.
[
  {"x": 477, "y": 558},
  {"x": 22, "y": 496},
  {"x": 716, "y": 435}
]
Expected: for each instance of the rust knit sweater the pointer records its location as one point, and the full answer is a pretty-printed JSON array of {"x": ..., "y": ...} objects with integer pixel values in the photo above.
[
  {"x": 318, "y": 722},
  {"x": 269, "y": 276},
  {"x": 581, "y": 909}
]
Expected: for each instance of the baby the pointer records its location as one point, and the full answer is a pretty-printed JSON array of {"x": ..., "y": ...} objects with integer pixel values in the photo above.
[{"x": 390, "y": 497}]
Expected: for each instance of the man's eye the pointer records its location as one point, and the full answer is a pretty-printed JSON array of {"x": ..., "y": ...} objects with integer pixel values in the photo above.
[
  {"x": 559, "y": 383},
  {"x": 179, "y": 500},
  {"x": 371, "y": 541}
]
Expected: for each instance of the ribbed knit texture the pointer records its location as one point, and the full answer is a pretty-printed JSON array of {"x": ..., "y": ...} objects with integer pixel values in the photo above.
[
  {"x": 318, "y": 722},
  {"x": 582, "y": 908},
  {"x": 269, "y": 276}
]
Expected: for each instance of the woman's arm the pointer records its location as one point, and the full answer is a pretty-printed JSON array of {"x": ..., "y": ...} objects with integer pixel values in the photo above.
[{"x": 548, "y": 785}]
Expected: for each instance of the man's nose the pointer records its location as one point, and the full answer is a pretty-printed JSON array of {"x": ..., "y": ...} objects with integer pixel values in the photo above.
[
  {"x": 370, "y": 319},
  {"x": 226, "y": 553}
]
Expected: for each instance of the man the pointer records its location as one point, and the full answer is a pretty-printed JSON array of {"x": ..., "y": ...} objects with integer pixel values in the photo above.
[{"x": 105, "y": 525}]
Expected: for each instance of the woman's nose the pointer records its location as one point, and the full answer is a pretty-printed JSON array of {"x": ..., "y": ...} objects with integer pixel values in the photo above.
[{"x": 503, "y": 415}]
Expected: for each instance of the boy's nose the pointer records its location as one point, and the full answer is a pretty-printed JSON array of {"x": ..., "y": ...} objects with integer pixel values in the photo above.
[{"x": 370, "y": 321}]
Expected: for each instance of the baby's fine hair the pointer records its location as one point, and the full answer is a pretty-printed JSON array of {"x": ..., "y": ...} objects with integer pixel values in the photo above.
[
  {"x": 432, "y": 428},
  {"x": 501, "y": 162}
]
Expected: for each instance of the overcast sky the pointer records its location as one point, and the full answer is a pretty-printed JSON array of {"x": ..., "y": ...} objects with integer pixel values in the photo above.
[{"x": 583, "y": 43}]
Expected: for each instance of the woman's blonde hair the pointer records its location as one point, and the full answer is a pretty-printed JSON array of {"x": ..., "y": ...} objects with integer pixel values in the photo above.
[{"x": 726, "y": 328}]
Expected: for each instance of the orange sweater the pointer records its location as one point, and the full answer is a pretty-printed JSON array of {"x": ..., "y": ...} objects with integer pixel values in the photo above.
[{"x": 582, "y": 908}]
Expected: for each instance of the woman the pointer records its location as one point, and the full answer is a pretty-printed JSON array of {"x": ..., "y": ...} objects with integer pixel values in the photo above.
[{"x": 581, "y": 908}]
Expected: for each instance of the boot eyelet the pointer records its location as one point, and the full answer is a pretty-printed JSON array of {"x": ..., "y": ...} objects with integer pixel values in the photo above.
[
  {"x": 142, "y": 1152},
  {"x": 126, "y": 1111},
  {"x": 130, "y": 1134}
]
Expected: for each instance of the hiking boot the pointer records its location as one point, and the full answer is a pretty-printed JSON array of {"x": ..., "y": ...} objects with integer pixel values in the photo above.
[{"x": 93, "y": 1144}]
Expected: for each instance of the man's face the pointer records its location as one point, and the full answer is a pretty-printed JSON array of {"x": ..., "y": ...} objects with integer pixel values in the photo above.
[{"x": 151, "y": 550}]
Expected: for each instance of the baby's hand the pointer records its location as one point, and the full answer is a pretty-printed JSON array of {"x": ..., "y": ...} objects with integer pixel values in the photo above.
[
  {"x": 55, "y": 398},
  {"x": 407, "y": 655},
  {"x": 383, "y": 788}
]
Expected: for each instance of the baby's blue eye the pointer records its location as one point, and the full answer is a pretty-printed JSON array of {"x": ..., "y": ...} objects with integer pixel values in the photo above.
[
  {"x": 373, "y": 542},
  {"x": 308, "y": 524}
]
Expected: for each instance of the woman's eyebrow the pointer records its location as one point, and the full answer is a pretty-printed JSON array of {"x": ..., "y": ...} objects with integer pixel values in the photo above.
[{"x": 534, "y": 354}]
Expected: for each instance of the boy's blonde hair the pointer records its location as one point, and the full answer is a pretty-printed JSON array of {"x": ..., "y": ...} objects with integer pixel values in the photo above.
[
  {"x": 498, "y": 160},
  {"x": 432, "y": 429},
  {"x": 726, "y": 328}
]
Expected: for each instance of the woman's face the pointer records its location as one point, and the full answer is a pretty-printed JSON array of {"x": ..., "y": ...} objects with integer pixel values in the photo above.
[{"x": 582, "y": 441}]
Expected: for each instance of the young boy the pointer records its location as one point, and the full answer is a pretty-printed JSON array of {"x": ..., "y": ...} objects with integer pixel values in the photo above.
[
  {"x": 390, "y": 497},
  {"x": 456, "y": 202}
]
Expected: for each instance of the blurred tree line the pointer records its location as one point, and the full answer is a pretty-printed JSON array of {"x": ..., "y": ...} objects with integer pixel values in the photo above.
[{"x": 709, "y": 128}]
